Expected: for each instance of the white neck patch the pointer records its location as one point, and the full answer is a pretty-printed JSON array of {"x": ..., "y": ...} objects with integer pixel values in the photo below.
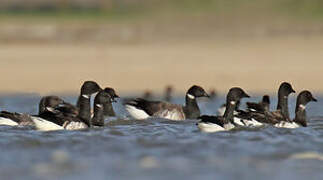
[
  {"x": 86, "y": 96},
  {"x": 190, "y": 96},
  {"x": 99, "y": 105},
  {"x": 232, "y": 102},
  {"x": 50, "y": 109},
  {"x": 302, "y": 106}
]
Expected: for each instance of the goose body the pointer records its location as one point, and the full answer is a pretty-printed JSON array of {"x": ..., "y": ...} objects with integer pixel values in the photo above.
[
  {"x": 58, "y": 120},
  {"x": 108, "y": 110},
  {"x": 46, "y": 104},
  {"x": 67, "y": 116},
  {"x": 241, "y": 118},
  {"x": 45, "y": 125},
  {"x": 261, "y": 112},
  {"x": 261, "y": 106},
  {"x": 142, "y": 109},
  {"x": 300, "y": 119},
  {"x": 211, "y": 124},
  {"x": 226, "y": 122}
]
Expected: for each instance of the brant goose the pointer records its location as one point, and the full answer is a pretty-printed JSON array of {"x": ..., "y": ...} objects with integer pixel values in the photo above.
[
  {"x": 46, "y": 104},
  {"x": 300, "y": 113},
  {"x": 102, "y": 99},
  {"x": 84, "y": 100},
  {"x": 142, "y": 109},
  {"x": 243, "y": 118},
  {"x": 281, "y": 114},
  {"x": 284, "y": 91},
  {"x": 107, "y": 107},
  {"x": 225, "y": 122},
  {"x": 57, "y": 120},
  {"x": 262, "y": 106}
]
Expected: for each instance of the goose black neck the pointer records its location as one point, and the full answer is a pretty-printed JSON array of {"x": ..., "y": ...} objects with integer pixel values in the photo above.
[
  {"x": 84, "y": 104},
  {"x": 300, "y": 116},
  {"x": 229, "y": 113},
  {"x": 108, "y": 110},
  {"x": 191, "y": 107},
  {"x": 41, "y": 107},
  {"x": 98, "y": 118},
  {"x": 283, "y": 104}
]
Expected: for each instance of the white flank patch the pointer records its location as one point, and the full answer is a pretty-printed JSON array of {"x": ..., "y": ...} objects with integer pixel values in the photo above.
[
  {"x": 251, "y": 123},
  {"x": 76, "y": 126},
  {"x": 228, "y": 126},
  {"x": 209, "y": 127},
  {"x": 7, "y": 122},
  {"x": 256, "y": 123},
  {"x": 171, "y": 115},
  {"x": 232, "y": 102},
  {"x": 136, "y": 113},
  {"x": 284, "y": 124},
  {"x": 190, "y": 96},
  {"x": 238, "y": 121},
  {"x": 307, "y": 155},
  {"x": 246, "y": 122},
  {"x": 44, "y": 125}
]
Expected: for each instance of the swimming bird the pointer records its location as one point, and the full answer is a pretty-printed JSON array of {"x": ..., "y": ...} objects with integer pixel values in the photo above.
[
  {"x": 68, "y": 116},
  {"x": 57, "y": 120},
  {"x": 226, "y": 122},
  {"x": 102, "y": 99},
  {"x": 141, "y": 109},
  {"x": 108, "y": 108},
  {"x": 84, "y": 100},
  {"x": 300, "y": 113},
  {"x": 262, "y": 106},
  {"x": 245, "y": 119},
  {"x": 281, "y": 114},
  {"x": 284, "y": 91},
  {"x": 46, "y": 104}
]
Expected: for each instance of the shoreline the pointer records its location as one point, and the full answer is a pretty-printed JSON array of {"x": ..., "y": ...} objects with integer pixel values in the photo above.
[{"x": 257, "y": 65}]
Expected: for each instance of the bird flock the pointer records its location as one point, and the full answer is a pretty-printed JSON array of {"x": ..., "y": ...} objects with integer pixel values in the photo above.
[{"x": 56, "y": 114}]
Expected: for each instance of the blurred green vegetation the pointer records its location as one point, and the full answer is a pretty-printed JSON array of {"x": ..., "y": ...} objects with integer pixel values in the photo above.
[{"x": 125, "y": 9}]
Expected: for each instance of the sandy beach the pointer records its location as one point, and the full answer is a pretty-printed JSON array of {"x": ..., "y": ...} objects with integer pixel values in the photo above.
[{"x": 256, "y": 64}]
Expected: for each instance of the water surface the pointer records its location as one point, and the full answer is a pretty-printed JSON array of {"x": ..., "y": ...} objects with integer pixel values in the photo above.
[{"x": 160, "y": 149}]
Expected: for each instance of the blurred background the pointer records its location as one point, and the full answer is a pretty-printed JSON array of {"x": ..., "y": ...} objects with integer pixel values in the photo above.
[{"x": 52, "y": 46}]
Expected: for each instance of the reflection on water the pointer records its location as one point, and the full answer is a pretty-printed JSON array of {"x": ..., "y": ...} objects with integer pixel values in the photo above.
[{"x": 160, "y": 149}]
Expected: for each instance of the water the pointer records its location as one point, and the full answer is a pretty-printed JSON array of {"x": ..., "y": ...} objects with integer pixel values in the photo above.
[{"x": 160, "y": 149}]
